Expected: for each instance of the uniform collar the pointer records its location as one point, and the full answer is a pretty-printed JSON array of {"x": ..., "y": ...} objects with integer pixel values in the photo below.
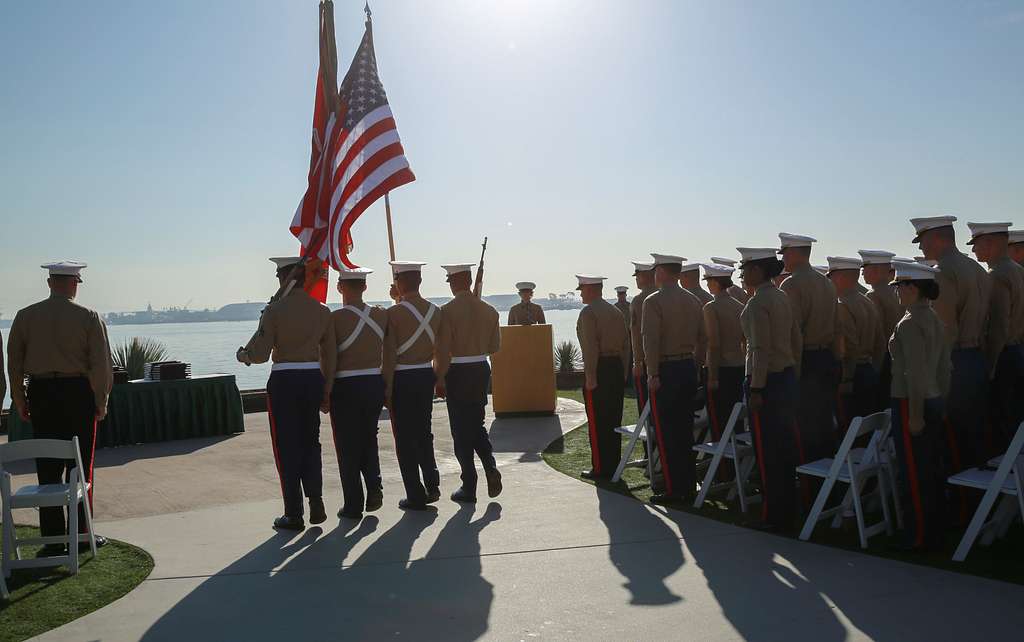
[
  {"x": 722, "y": 295},
  {"x": 671, "y": 285},
  {"x": 463, "y": 294},
  {"x": 920, "y": 304},
  {"x": 766, "y": 284},
  {"x": 54, "y": 295},
  {"x": 949, "y": 252}
]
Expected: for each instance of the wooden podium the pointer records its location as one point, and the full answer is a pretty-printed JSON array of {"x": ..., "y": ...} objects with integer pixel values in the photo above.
[{"x": 523, "y": 371}]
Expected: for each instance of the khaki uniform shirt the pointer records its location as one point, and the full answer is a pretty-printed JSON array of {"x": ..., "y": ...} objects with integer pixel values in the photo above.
[
  {"x": 856, "y": 329},
  {"x": 602, "y": 333},
  {"x": 623, "y": 307},
  {"x": 636, "y": 315},
  {"x": 920, "y": 359},
  {"x": 738, "y": 293},
  {"x": 813, "y": 298},
  {"x": 3, "y": 372},
  {"x": 702, "y": 295},
  {"x": 57, "y": 335},
  {"x": 964, "y": 288},
  {"x": 889, "y": 312},
  {"x": 725, "y": 334},
  {"x": 367, "y": 350},
  {"x": 771, "y": 332},
  {"x": 296, "y": 329},
  {"x": 469, "y": 328},
  {"x": 1006, "y": 309},
  {"x": 526, "y": 314},
  {"x": 673, "y": 326},
  {"x": 401, "y": 326}
]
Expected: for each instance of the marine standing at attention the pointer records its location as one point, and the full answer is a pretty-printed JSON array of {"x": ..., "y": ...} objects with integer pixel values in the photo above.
[
  {"x": 814, "y": 308},
  {"x": 296, "y": 332},
  {"x": 62, "y": 348},
  {"x": 920, "y": 380},
  {"x": 604, "y": 343},
  {"x": 771, "y": 387},
  {"x": 856, "y": 329},
  {"x": 643, "y": 272},
  {"x": 526, "y": 312},
  {"x": 725, "y": 358},
  {"x": 469, "y": 334},
  {"x": 409, "y": 342},
  {"x": 673, "y": 330},
  {"x": 689, "y": 279},
  {"x": 1005, "y": 330},
  {"x": 623, "y": 305},
  {"x": 878, "y": 273},
  {"x": 358, "y": 394},
  {"x": 1016, "y": 246},
  {"x": 963, "y": 307}
]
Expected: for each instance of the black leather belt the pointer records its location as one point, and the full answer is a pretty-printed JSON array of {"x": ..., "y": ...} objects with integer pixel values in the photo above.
[
  {"x": 677, "y": 357},
  {"x": 55, "y": 375}
]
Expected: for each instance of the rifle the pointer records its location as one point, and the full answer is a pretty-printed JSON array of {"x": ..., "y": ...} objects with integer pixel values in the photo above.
[{"x": 478, "y": 284}]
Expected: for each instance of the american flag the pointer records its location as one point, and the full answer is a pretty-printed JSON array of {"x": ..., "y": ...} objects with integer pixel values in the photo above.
[{"x": 364, "y": 156}]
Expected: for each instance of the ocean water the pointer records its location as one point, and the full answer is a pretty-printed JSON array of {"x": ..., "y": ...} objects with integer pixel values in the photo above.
[{"x": 210, "y": 347}]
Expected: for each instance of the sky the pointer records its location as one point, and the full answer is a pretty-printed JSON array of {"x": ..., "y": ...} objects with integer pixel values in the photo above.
[{"x": 167, "y": 144}]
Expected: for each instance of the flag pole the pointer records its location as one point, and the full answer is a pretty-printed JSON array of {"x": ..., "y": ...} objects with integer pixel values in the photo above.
[{"x": 391, "y": 233}]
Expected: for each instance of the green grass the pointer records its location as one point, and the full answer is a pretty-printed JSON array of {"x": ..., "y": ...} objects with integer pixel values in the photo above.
[
  {"x": 45, "y": 598},
  {"x": 1004, "y": 560}
]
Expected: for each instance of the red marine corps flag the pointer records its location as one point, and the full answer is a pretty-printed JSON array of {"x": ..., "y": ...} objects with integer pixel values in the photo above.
[{"x": 359, "y": 157}]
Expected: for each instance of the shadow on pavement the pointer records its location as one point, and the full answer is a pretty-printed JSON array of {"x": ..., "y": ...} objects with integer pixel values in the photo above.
[
  {"x": 320, "y": 594},
  {"x": 526, "y": 435}
]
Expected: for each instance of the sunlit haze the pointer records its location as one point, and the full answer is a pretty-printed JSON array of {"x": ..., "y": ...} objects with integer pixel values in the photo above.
[{"x": 167, "y": 144}]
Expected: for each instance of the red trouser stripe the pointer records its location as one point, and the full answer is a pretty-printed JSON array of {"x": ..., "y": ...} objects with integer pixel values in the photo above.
[
  {"x": 954, "y": 452},
  {"x": 595, "y": 455},
  {"x": 758, "y": 442},
  {"x": 915, "y": 487},
  {"x": 713, "y": 416},
  {"x": 273, "y": 442},
  {"x": 666, "y": 472}
]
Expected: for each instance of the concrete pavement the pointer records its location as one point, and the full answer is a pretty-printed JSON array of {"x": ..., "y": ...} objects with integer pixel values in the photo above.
[{"x": 552, "y": 558}]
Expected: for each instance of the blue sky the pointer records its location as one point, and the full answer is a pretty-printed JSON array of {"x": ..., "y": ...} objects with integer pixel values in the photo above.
[{"x": 167, "y": 143}]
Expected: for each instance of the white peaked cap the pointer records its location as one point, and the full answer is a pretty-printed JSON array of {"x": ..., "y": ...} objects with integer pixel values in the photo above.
[
  {"x": 526, "y": 285},
  {"x": 398, "y": 267},
  {"x": 902, "y": 258},
  {"x": 456, "y": 268},
  {"x": 354, "y": 274},
  {"x": 1016, "y": 236},
  {"x": 820, "y": 269},
  {"x": 914, "y": 271},
  {"x": 690, "y": 267},
  {"x": 923, "y": 224},
  {"x": 589, "y": 279},
  {"x": 642, "y": 265},
  {"x": 721, "y": 260},
  {"x": 621, "y": 289},
  {"x": 922, "y": 261},
  {"x": 876, "y": 257},
  {"x": 980, "y": 229},
  {"x": 843, "y": 263},
  {"x": 285, "y": 261},
  {"x": 712, "y": 270},
  {"x": 65, "y": 268},
  {"x": 748, "y": 254},
  {"x": 667, "y": 259},
  {"x": 795, "y": 240}
]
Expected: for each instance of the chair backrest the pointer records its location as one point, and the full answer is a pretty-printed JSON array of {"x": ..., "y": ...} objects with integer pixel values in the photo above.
[
  {"x": 39, "y": 449},
  {"x": 1010, "y": 457}
]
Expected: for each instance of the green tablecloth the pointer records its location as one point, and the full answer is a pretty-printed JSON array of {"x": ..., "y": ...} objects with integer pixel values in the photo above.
[{"x": 145, "y": 412}]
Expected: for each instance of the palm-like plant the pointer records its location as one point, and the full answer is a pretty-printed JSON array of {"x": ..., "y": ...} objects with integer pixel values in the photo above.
[
  {"x": 134, "y": 354},
  {"x": 567, "y": 357}
]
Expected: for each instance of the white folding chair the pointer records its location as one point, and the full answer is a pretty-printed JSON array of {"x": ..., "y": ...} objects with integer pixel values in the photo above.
[
  {"x": 846, "y": 468},
  {"x": 67, "y": 495},
  {"x": 1004, "y": 480},
  {"x": 635, "y": 432},
  {"x": 883, "y": 451},
  {"x": 731, "y": 446}
]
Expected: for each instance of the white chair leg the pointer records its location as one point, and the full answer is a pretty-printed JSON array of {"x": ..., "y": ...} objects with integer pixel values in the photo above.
[
  {"x": 4, "y": 571},
  {"x": 88, "y": 521},
  {"x": 817, "y": 507},
  {"x": 858, "y": 511},
  {"x": 73, "y": 535}
]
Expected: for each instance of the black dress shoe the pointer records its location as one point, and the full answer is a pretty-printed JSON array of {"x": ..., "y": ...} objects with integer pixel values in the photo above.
[
  {"x": 344, "y": 513},
  {"x": 433, "y": 495},
  {"x": 317, "y": 512},
  {"x": 493, "y": 483},
  {"x": 52, "y": 550},
  {"x": 589, "y": 474},
  {"x": 374, "y": 500},
  {"x": 407, "y": 504},
  {"x": 464, "y": 496},
  {"x": 100, "y": 543},
  {"x": 287, "y": 523}
]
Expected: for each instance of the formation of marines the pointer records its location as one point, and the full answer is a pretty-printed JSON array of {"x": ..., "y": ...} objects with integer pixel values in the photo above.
[{"x": 936, "y": 339}]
